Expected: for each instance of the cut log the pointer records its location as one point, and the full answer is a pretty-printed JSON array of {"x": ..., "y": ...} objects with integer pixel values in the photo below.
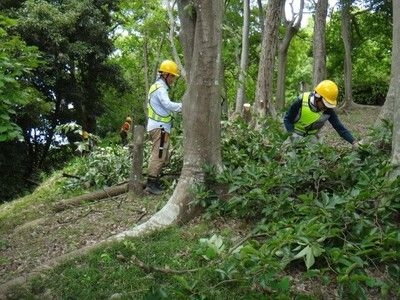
[{"x": 97, "y": 195}]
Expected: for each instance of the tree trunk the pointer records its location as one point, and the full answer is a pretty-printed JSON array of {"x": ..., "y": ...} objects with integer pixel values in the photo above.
[
  {"x": 171, "y": 37},
  {"x": 292, "y": 27},
  {"x": 264, "y": 89},
  {"x": 386, "y": 112},
  {"x": 97, "y": 195},
  {"x": 319, "y": 46},
  {"x": 261, "y": 16},
  {"x": 146, "y": 68},
  {"x": 240, "y": 96},
  {"x": 188, "y": 28},
  {"x": 201, "y": 110},
  {"x": 395, "y": 81},
  {"x": 346, "y": 36},
  {"x": 135, "y": 182}
]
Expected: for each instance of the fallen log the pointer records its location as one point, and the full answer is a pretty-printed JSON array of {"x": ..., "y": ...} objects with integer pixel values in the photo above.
[{"x": 97, "y": 195}]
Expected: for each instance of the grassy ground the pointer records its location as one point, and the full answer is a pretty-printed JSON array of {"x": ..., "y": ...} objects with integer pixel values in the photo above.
[{"x": 31, "y": 234}]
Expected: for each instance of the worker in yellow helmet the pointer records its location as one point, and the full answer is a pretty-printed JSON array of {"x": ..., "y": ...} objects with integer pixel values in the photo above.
[
  {"x": 159, "y": 123},
  {"x": 125, "y": 130},
  {"x": 308, "y": 114}
]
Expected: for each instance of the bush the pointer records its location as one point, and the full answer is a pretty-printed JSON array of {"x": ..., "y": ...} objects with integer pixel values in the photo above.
[{"x": 373, "y": 93}]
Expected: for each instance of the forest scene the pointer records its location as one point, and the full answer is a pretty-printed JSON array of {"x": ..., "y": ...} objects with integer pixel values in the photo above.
[{"x": 274, "y": 176}]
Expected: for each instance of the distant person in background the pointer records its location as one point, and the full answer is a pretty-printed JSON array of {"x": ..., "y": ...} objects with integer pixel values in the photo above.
[
  {"x": 308, "y": 114},
  {"x": 87, "y": 143},
  {"x": 159, "y": 123},
  {"x": 125, "y": 130}
]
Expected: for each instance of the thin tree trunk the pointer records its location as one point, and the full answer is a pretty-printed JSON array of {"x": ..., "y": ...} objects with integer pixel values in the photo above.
[
  {"x": 146, "y": 66},
  {"x": 261, "y": 16},
  {"x": 172, "y": 37},
  {"x": 136, "y": 180},
  {"x": 292, "y": 27},
  {"x": 319, "y": 42},
  {"x": 264, "y": 88},
  {"x": 240, "y": 96},
  {"x": 346, "y": 36},
  {"x": 146, "y": 74}
]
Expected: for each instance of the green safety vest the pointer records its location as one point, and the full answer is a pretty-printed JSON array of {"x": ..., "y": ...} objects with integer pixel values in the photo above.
[
  {"x": 151, "y": 112},
  {"x": 307, "y": 117}
]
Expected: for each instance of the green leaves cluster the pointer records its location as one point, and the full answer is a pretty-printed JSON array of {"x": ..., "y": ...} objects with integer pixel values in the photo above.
[
  {"x": 104, "y": 166},
  {"x": 16, "y": 60},
  {"x": 335, "y": 211}
]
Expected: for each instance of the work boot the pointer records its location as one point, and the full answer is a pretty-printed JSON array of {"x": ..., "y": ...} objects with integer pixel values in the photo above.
[{"x": 153, "y": 186}]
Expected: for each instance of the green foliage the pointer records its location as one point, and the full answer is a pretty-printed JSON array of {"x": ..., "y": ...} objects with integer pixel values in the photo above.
[
  {"x": 333, "y": 209},
  {"x": 16, "y": 61},
  {"x": 371, "y": 54},
  {"x": 75, "y": 43},
  {"x": 102, "y": 167},
  {"x": 370, "y": 93},
  {"x": 314, "y": 213}
]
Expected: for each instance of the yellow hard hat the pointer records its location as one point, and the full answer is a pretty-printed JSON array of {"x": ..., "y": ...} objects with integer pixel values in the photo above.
[
  {"x": 128, "y": 119},
  {"x": 85, "y": 135},
  {"x": 329, "y": 91},
  {"x": 168, "y": 66}
]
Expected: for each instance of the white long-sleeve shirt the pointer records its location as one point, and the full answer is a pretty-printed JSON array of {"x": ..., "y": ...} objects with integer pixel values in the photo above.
[{"x": 162, "y": 105}]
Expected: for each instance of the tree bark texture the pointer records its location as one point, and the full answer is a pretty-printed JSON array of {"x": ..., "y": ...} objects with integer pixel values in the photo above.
[
  {"x": 292, "y": 27},
  {"x": 135, "y": 182},
  {"x": 395, "y": 81},
  {"x": 319, "y": 42},
  {"x": 386, "y": 112},
  {"x": 261, "y": 16},
  {"x": 171, "y": 37},
  {"x": 97, "y": 195},
  {"x": 264, "y": 88},
  {"x": 346, "y": 36},
  {"x": 187, "y": 16},
  {"x": 201, "y": 112},
  {"x": 240, "y": 95}
]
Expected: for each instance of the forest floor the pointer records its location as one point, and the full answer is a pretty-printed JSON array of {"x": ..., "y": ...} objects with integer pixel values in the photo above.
[{"x": 39, "y": 234}]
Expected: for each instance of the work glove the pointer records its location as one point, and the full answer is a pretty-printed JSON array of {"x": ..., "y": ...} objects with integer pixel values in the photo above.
[{"x": 295, "y": 137}]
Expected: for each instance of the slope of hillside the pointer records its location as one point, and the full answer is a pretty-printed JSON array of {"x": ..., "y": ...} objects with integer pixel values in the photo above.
[{"x": 32, "y": 233}]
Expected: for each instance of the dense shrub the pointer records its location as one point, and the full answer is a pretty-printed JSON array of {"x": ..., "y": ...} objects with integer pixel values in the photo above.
[{"x": 334, "y": 209}]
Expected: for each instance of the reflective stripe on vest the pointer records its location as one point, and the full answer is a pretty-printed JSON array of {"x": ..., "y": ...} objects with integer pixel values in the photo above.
[
  {"x": 307, "y": 117},
  {"x": 151, "y": 113}
]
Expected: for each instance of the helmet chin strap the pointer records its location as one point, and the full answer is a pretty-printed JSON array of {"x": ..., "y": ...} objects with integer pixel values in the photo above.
[
  {"x": 312, "y": 103},
  {"x": 165, "y": 79}
]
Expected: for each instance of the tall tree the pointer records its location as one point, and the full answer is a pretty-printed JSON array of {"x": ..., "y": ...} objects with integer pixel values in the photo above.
[
  {"x": 201, "y": 36},
  {"x": 75, "y": 38},
  {"x": 240, "y": 95},
  {"x": 394, "y": 88},
  {"x": 264, "y": 89},
  {"x": 346, "y": 36},
  {"x": 319, "y": 46},
  {"x": 291, "y": 28},
  {"x": 261, "y": 15},
  {"x": 17, "y": 60},
  {"x": 388, "y": 108},
  {"x": 171, "y": 36}
]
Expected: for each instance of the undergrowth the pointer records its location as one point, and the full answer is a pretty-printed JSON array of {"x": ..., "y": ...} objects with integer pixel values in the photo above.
[
  {"x": 336, "y": 210},
  {"x": 324, "y": 223}
]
